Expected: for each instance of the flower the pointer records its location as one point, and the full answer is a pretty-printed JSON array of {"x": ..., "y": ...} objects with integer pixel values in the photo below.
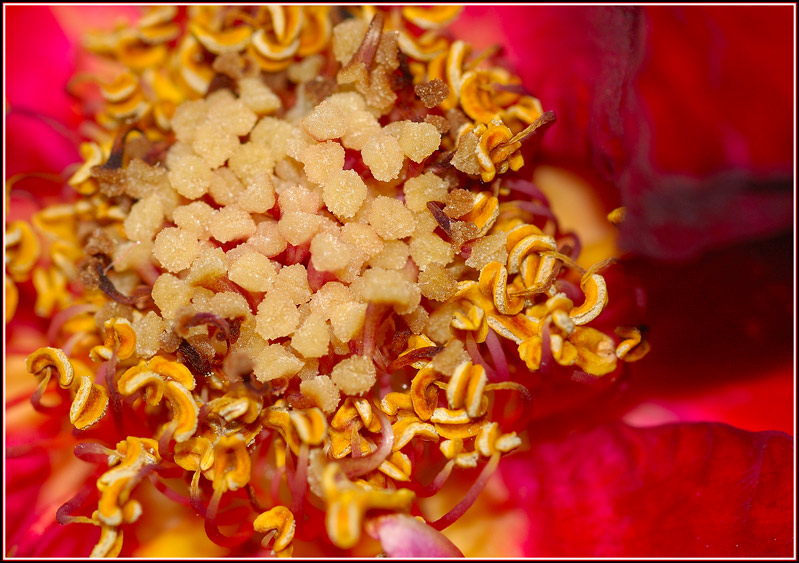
[{"x": 173, "y": 387}]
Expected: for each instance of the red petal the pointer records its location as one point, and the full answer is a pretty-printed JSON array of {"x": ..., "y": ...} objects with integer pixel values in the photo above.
[
  {"x": 684, "y": 108},
  {"x": 684, "y": 490}
]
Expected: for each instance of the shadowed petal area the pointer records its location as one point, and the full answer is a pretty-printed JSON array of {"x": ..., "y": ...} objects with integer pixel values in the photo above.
[{"x": 683, "y": 490}]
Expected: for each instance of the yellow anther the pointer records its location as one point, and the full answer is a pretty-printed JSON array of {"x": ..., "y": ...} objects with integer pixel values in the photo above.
[
  {"x": 155, "y": 34},
  {"x": 131, "y": 512},
  {"x": 397, "y": 466},
  {"x": 465, "y": 388},
  {"x": 423, "y": 48},
  {"x": 424, "y": 395},
  {"x": 449, "y": 416},
  {"x": 563, "y": 351},
  {"x": 65, "y": 256},
  {"x": 490, "y": 441},
  {"x": 121, "y": 88},
  {"x": 277, "y": 523},
  {"x": 272, "y": 50},
  {"x": 172, "y": 370},
  {"x": 532, "y": 243},
  {"x": 218, "y": 42},
  {"x": 353, "y": 408},
  {"x": 516, "y": 328},
  {"x": 195, "y": 72},
  {"x": 633, "y": 346},
  {"x": 22, "y": 250},
  {"x": 526, "y": 110},
  {"x": 195, "y": 454},
  {"x": 563, "y": 321},
  {"x": 43, "y": 361},
  {"x": 484, "y": 213},
  {"x": 415, "y": 342},
  {"x": 454, "y": 449},
  {"x": 236, "y": 405},
  {"x": 277, "y": 417},
  {"x": 156, "y": 15},
  {"x": 451, "y": 448},
  {"x": 410, "y": 427},
  {"x": 480, "y": 99},
  {"x": 51, "y": 291},
  {"x": 458, "y": 431},
  {"x": 157, "y": 386},
  {"x": 110, "y": 542},
  {"x": 287, "y": 21},
  {"x": 119, "y": 337},
  {"x": 596, "y": 297},
  {"x": 617, "y": 215},
  {"x": 89, "y": 404},
  {"x": 431, "y": 17},
  {"x": 231, "y": 463},
  {"x": 467, "y": 460},
  {"x": 310, "y": 424},
  {"x": 133, "y": 106},
  {"x": 347, "y": 504},
  {"x": 341, "y": 442},
  {"x": 497, "y": 150},
  {"x": 493, "y": 282},
  {"x": 395, "y": 401},
  {"x": 448, "y": 67},
  {"x": 56, "y": 222},
  {"x": 116, "y": 484},
  {"x": 530, "y": 352},
  {"x": 316, "y": 30},
  {"x": 139, "y": 56},
  {"x": 474, "y": 321},
  {"x": 596, "y": 353}
]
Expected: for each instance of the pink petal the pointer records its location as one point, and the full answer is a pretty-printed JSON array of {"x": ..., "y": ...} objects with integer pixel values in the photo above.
[
  {"x": 683, "y": 490},
  {"x": 404, "y": 536},
  {"x": 39, "y": 62}
]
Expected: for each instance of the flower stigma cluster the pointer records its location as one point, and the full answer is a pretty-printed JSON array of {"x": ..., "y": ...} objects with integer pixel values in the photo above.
[{"x": 302, "y": 274}]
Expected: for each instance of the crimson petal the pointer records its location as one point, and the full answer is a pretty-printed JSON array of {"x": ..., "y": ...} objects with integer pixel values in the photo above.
[
  {"x": 682, "y": 490},
  {"x": 682, "y": 108}
]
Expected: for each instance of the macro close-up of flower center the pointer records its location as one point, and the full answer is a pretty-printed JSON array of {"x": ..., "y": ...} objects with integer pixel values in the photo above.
[{"x": 301, "y": 292}]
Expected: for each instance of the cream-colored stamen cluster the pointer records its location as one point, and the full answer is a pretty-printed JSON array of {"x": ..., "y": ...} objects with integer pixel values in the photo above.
[{"x": 291, "y": 251}]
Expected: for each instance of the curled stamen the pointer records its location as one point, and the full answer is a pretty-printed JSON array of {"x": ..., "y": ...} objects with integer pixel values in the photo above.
[
  {"x": 355, "y": 467},
  {"x": 201, "y": 319},
  {"x": 438, "y": 481},
  {"x": 64, "y": 513},
  {"x": 93, "y": 452},
  {"x": 413, "y": 356},
  {"x": 108, "y": 287},
  {"x": 460, "y": 509}
]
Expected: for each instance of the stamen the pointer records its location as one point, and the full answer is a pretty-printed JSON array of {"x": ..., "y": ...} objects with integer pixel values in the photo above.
[
  {"x": 355, "y": 467},
  {"x": 498, "y": 355},
  {"x": 460, "y": 509}
]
